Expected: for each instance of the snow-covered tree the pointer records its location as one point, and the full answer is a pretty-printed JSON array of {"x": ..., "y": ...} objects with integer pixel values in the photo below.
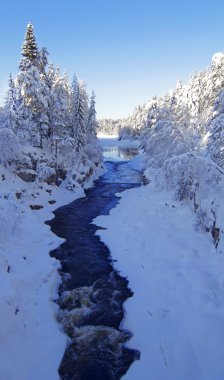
[
  {"x": 79, "y": 113},
  {"x": 43, "y": 60},
  {"x": 29, "y": 48},
  {"x": 59, "y": 103},
  {"x": 10, "y": 149},
  {"x": 32, "y": 87},
  {"x": 43, "y": 111},
  {"x": 11, "y": 106},
  {"x": 164, "y": 141},
  {"x": 92, "y": 124}
]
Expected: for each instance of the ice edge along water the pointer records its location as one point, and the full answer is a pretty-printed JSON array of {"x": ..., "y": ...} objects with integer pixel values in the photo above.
[
  {"x": 30, "y": 337},
  {"x": 177, "y": 311}
]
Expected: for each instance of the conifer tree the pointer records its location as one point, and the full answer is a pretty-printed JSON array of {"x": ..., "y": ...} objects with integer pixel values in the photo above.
[
  {"x": 10, "y": 105},
  {"x": 29, "y": 48},
  {"x": 79, "y": 113},
  {"x": 43, "y": 60},
  {"x": 33, "y": 88},
  {"x": 81, "y": 100},
  {"x": 92, "y": 123},
  {"x": 74, "y": 106},
  {"x": 59, "y": 107}
]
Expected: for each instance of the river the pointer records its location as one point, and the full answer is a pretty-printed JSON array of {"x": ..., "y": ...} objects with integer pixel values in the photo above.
[{"x": 92, "y": 293}]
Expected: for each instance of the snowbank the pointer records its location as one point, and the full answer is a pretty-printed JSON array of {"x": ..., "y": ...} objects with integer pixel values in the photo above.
[
  {"x": 218, "y": 59},
  {"x": 32, "y": 343},
  {"x": 177, "y": 311}
]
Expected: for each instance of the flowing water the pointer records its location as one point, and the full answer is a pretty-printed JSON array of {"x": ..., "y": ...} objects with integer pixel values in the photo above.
[{"x": 92, "y": 293}]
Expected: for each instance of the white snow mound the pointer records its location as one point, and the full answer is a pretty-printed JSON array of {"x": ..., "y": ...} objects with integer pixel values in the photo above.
[{"x": 218, "y": 59}]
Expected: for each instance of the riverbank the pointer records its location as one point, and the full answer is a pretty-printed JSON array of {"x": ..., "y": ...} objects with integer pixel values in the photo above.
[
  {"x": 31, "y": 341},
  {"x": 177, "y": 276},
  {"x": 30, "y": 336}
]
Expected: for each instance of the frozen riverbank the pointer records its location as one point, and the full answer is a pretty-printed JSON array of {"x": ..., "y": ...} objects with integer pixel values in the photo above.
[
  {"x": 30, "y": 336},
  {"x": 177, "y": 311}
]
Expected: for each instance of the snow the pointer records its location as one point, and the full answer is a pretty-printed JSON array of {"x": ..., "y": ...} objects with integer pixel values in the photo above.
[
  {"x": 32, "y": 343},
  {"x": 177, "y": 311},
  {"x": 218, "y": 59},
  {"x": 106, "y": 136},
  {"x": 174, "y": 269}
]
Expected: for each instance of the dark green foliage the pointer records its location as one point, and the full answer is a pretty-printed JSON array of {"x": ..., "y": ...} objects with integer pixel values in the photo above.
[{"x": 29, "y": 47}]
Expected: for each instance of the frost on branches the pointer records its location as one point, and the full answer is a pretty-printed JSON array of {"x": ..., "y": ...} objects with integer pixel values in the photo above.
[
  {"x": 182, "y": 135},
  {"x": 183, "y": 140},
  {"x": 49, "y": 121}
]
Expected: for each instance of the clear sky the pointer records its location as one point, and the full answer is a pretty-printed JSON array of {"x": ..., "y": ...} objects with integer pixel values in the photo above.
[{"x": 126, "y": 50}]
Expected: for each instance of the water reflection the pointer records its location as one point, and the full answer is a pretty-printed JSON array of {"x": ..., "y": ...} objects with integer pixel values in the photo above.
[{"x": 119, "y": 153}]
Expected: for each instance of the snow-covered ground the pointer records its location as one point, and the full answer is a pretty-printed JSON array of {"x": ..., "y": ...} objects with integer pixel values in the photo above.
[
  {"x": 177, "y": 311},
  {"x": 32, "y": 344}
]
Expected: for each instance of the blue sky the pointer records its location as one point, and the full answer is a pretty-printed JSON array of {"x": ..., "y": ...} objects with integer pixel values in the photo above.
[{"x": 126, "y": 50}]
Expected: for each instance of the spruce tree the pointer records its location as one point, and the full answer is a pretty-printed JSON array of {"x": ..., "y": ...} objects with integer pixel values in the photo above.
[
  {"x": 79, "y": 113},
  {"x": 10, "y": 105},
  {"x": 74, "y": 106},
  {"x": 92, "y": 123},
  {"x": 59, "y": 106},
  {"x": 29, "y": 47},
  {"x": 43, "y": 60},
  {"x": 33, "y": 88}
]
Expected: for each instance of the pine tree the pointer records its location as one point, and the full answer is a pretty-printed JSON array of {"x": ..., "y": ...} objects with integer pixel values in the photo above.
[
  {"x": 79, "y": 113},
  {"x": 92, "y": 123},
  {"x": 59, "y": 108},
  {"x": 33, "y": 88},
  {"x": 29, "y": 47},
  {"x": 74, "y": 106},
  {"x": 43, "y": 60},
  {"x": 10, "y": 105}
]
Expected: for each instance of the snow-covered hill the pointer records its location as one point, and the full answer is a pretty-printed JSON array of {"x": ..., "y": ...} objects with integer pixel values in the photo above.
[{"x": 176, "y": 313}]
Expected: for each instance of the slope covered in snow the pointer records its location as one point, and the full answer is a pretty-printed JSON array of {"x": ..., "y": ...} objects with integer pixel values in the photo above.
[
  {"x": 30, "y": 337},
  {"x": 177, "y": 311}
]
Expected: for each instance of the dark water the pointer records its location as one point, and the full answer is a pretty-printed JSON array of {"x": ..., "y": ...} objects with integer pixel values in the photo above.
[{"x": 92, "y": 293}]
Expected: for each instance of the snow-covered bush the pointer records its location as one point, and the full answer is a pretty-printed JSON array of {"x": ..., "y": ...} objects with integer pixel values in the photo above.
[
  {"x": 10, "y": 218},
  {"x": 165, "y": 141},
  {"x": 188, "y": 174},
  {"x": 215, "y": 139},
  {"x": 45, "y": 173},
  {"x": 196, "y": 179},
  {"x": 2, "y": 117},
  {"x": 126, "y": 133},
  {"x": 10, "y": 149},
  {"x": 94, "y": 153},
  {"x": 82, "y": 167}
]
